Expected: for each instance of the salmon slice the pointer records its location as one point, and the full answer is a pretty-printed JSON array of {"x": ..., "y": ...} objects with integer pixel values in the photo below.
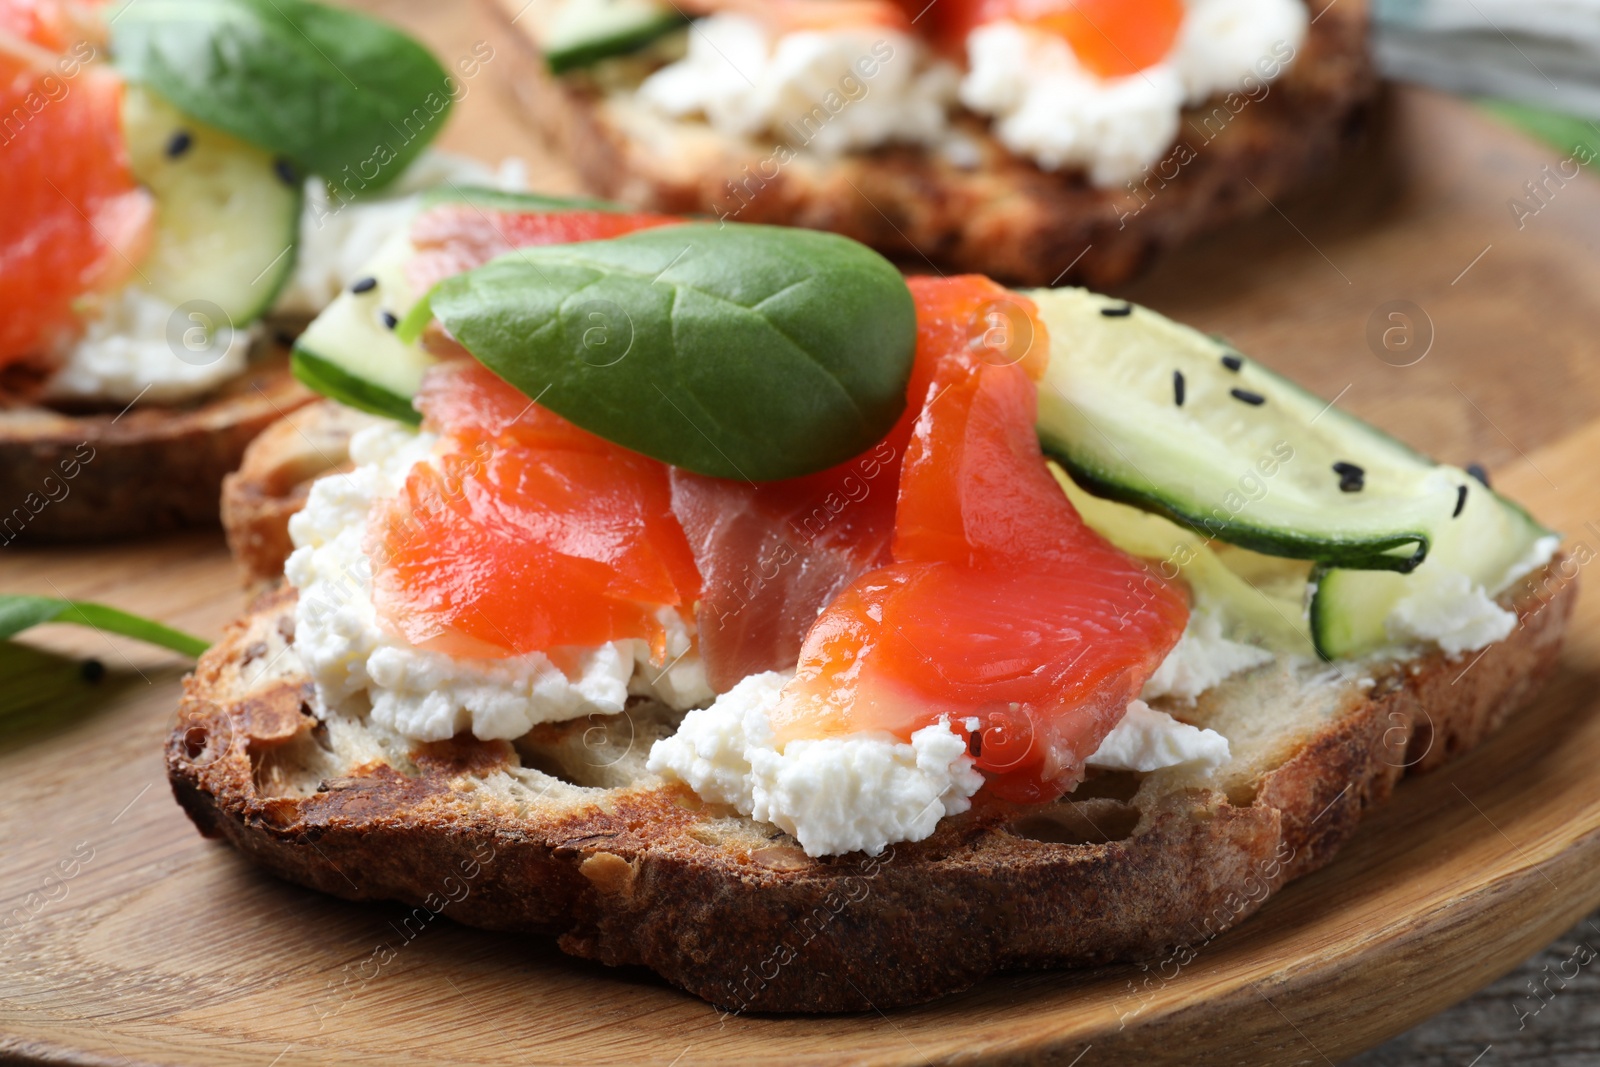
[
  {"x": 39, "y": 31},
  {"x": 773, "y": 555},
  {"x": 1111, "y": 38},
  {"x": 453, "y": 238},
  {"x": 75, "y": 221},
  {"x": 526, "y": 534},
  {"x": 1002, "y": 612}
]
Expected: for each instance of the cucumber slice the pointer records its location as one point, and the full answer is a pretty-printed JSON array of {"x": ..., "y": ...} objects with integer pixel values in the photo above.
[
  {"x": 227, "y": 216},
  {"x": 1257, "y": 474},
  {"x": 1492, "y": 542},
  {"x": 1261, "y": 597},
  {"x": 1263, "y": 475},
  {"x": 350, "y": 353},
  {"x": 582, "y": 32}
]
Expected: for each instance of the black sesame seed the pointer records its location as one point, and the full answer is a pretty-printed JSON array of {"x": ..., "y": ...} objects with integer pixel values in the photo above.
[
  {"x": 1346, "y": 470},
  {"x": 286, "y": 173},
  {"x": 389, "y": 319},
  {"x": 179, "y": 143},
  {"x": 1117, "y": 313},
  {"x": 1477, "y": 471},
  {"x": 1352, "y": 483},
  {"x": 1253, "y": 399},
  {"x": 1232, "y": 362},
  {"x": 975, "y": 744},
  {"x": 364, "y": 285},
  {"x": 1461, "y": 502},
  {"x": 1177, "y": 387},
  {"x": 92, "y": 670}
]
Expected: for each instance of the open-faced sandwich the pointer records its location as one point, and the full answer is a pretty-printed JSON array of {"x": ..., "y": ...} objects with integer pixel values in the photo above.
[
  {"x": 715, "y": 599},
  {"x": 172, "y": 174},
  {"x": 1036, "y": 141}
]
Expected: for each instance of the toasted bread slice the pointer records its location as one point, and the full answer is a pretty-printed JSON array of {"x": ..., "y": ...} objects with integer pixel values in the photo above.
[
  {"x": 151, "y": 468},
  {"x": 1003, "y": 217},
  {"x": 564, "y": 833}
]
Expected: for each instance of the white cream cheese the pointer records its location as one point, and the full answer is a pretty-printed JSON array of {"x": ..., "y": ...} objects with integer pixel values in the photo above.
[
  {"x": 1202, "y": 658},
  {"x": 1231, "y": 46},
  {"x": 828, "y": 91},
  {"x": 1046, "y": 106},
  {"x": 142, "y": 347},
  {"x": 1448, "y": 608},
  {"x": 856, "y": 793},
  {"x": 865, "y": 791},
  {"x": 859, "y": 87},
  {"x": 338, "y": 236},
  {"x": 1539, "y": 555},
  {"x": 427, "y": 695},
  {"x": 1148, "y": 740}
]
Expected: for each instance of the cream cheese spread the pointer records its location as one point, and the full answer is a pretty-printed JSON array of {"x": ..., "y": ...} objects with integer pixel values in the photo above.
[
  {"x": 829, "y": 91},
  {"x": 1148, "y": 740},
  {"x": 1202, "y": 658},
  {"x": 142, "y": 347},
  {"x": 855, "y": 88},
  {"x": 843, "y": 794},
  {"x": 1447, "y": 608},
  {"x": 1047, "y": 107},
  {"x": 424, "y": 694},
  {"x": 865, "y": 791}
]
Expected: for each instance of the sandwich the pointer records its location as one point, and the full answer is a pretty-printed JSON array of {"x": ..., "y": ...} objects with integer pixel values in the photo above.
[
  {"x": 726, "y": 603},
  {"x": 185, "y": 186},
  {"x": 1040, "y": 142}
]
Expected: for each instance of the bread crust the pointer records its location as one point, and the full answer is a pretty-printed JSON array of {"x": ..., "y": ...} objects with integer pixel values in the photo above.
[
  {"x": 627, "y": 869},
  {"x": 1003, "y": 217},
  {"x": 67, "y": 478},
  {"x": 273, "y": 478}
]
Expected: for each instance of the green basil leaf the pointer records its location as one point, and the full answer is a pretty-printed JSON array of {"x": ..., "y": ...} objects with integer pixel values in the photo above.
[
  {"x": 19, "y": 613},
  {"x": 336, "y": 92},
  {"x": 751, "y": 352}
]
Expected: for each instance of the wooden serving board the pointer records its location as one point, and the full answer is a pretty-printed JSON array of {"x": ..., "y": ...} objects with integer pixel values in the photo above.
[{"x": 127, "y": 939}]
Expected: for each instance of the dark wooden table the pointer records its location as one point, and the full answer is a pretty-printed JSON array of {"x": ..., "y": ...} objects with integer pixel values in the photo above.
[{"x": 1546, "y": 1013}]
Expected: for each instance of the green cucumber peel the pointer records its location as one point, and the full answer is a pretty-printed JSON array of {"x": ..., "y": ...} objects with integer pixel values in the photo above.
[
  {"x": 750, "y": 352},
  {"x": 335, "y": 92},
  {"x": 19, "y": 613},
  {"x": 325, "y": 377},
  {"x": 565, "y": 60},
  {"x": 581, "y": 33},
  {"x": 1401, "y": 553}
]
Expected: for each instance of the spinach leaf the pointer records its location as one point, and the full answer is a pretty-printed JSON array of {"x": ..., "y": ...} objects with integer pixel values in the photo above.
[
  {"x": 335, "y": 92},
  {"x": 19, "y": 613},
  {"x": 750, "y": 352}
]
